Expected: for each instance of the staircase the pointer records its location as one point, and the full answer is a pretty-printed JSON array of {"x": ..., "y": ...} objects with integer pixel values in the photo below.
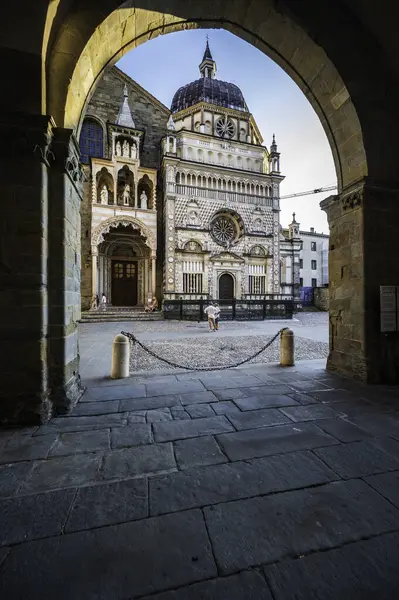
[{"x": 120, "y": 313}]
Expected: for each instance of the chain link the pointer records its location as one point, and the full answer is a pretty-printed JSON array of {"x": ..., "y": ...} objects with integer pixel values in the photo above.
[{"x": 134, "y": 340}]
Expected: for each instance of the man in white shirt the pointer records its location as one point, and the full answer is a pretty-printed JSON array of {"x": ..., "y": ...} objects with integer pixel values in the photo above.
[
  {"x": 210, "y": 312},
  {"x": 217, "y": 315}
]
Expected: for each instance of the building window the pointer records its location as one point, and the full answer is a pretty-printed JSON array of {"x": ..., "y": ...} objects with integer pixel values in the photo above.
[
  {"x": 314, "y": 282},
  {"x": 257, "y": 279},
  {"x": 313, "y": 246},
  {"x": 192, "y": 283},
  {"x": 301, "y": 263},
  {"x": 314, "y": 265},
  {"x": 301, "y": 282},
  {"x": 192, "y": 276},
  {"x": 91, "y": 140}
]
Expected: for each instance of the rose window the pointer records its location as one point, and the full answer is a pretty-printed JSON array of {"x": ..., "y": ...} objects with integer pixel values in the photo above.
[
  {"x": 224, "y": 230},
  {"x": 225, "y": 127}
]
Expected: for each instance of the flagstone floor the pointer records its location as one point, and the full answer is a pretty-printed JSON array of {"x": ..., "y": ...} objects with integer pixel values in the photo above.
[{"x": 255, "y": 483}]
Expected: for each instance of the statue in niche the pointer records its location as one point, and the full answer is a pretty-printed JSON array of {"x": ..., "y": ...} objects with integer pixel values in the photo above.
[
  {"x": 193, "y": 218},
  {"x": 126, "y": 195},
  {"x": 104, "y": 195},
  {"x": 143, "y": 200},
  {"x": 125, "y": 149},
  {"x": 133, "y": 151},
  {"x": 118, "y": 149}
]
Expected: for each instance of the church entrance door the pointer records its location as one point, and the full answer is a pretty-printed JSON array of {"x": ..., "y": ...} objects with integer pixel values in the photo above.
[
  {"x": 124, "y": 283},
  {"x": 226, "y": 287}
]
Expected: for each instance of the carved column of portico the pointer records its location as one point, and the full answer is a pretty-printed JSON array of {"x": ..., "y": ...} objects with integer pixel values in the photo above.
[
  {"x": 25, "y": 160},
  {"x": 153, "y": 275},
  {"x": 94, "y": 270},
  {"x": 363, "y": 222},
  {"x": 65, "y": 187}
]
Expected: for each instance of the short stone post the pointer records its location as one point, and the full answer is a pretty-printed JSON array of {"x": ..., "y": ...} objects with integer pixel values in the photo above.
[
  {"x": 120, "y": 357},
  {"x": 287, "y": 348}
]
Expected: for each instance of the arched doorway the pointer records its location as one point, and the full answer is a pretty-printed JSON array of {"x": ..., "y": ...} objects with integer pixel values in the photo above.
[{"x": 226, "y": 287}]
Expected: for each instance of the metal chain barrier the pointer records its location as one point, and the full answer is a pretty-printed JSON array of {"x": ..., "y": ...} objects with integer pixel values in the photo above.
[{"x": 134, "y": 340}]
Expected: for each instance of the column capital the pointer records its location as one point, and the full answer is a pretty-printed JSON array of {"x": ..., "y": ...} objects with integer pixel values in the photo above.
[
  {"x": 65, "y": 149},
  {"x": 26, "y": 136}
]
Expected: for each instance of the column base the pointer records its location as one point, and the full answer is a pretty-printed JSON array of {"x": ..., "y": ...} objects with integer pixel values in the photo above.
[
  {"x": 66, "y": 397},
  {"x": 347, "y": 365}
]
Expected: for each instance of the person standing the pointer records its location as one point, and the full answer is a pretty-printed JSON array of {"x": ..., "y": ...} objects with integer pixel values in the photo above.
[
  {"x": 217, "y": 315},
  {"x": 210, "y": 312},
  {"x": 103, "y": 301}
]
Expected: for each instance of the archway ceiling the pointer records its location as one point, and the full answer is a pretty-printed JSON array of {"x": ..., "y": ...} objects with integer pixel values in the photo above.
[{"x": 291, "y": 32}]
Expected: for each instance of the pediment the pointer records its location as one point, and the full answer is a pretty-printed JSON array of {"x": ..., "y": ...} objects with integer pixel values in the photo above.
[{"x": 227, "y": 256}]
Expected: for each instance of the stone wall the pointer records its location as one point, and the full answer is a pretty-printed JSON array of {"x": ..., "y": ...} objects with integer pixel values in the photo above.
[
  {"x": 148, "y": 113},
  {"x": 321, "y": 298}
]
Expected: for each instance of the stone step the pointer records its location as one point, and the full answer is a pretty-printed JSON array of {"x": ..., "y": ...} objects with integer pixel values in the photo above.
[{"x": 114, "y": 316}]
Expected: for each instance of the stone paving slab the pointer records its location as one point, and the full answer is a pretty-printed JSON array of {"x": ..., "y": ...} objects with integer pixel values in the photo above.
[
  {"x": 357, "y": 459},
  {"x": 84, "y": 441},
  {"x": 230, "y": 381},
  {"x": 200, "y": 487},
  {"x": 179, "y": 430},
  {"x": 120, "y": 561},
  {"x": 142, "y": 460},
  {"x": 174, "y": 387},
  {"x": 200, "y": 411},
  {"x": 257, "y": 418},
  {"x": 149, "y": 403},
  {"x": 294, "y": 523},
  {"x": 258, "y": 400},
  {"x": 387, "y": 484},
  {"x": 302, "y": 398},
  {"x": 12, "y": 476},
  {"x": 225, "y": 407},
  {"x": 273, "y": 440},
  {"x": 179, "y": 414},
  {"x": 197, "y": 398},
  {"x": 248, "y": 585},
  {"x": 131, "y": 435},
  {"x": 309, "y": 386},
  {"x": 378, "y": 424},
  {"x": 96, "y": 408},
  {"x": 33, "y": 517},
  {"x": 389, "y": 445},
  {"x": 332, "y": 395},
  {"x": 201, "y": 451},
  {"x": 62, "y": 472},
  {"x": 309, "y": 413},
  {"x": 71, "y": 424},
  {"x": 26, "y": 448},
  {"x": 3, "y": 554},
  {"x": 342, "y": 430},
  {"x": 365, "y": 570},
  {"x": 158, "y": 415},
  {"x": 108, "y": 504},
  {"x": 114, "y": 392}
]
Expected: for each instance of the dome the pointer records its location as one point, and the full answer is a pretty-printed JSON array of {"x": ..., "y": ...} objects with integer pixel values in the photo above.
[{"x": 210, "y": 90}]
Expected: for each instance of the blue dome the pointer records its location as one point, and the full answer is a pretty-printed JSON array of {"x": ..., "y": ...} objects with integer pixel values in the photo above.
[{"x": 212, "y": 91}]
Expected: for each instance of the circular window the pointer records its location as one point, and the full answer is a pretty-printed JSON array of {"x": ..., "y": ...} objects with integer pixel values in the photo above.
[
  {"x": 225, "y": 230},
  {"x": 225, "y": 127}
]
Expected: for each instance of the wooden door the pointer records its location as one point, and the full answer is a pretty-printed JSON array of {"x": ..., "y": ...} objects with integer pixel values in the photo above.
[
  {"x": 226, "y": 287},
  {"x": 124, "y": 283}
]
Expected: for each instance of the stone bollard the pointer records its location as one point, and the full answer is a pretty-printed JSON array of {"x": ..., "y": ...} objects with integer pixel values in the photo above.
[
  {"x": 120, "y": 357},
  {"x": 287, "y": 347}
]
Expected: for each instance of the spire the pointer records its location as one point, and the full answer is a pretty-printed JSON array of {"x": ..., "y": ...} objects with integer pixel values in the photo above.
[
  {"x": 125, "y": 116},
  {"x": 171, "y": 124},
  {"x": 208, "y": 66},
  {"x": 293, "y": 217},
  {"x": 273, "y": 147}
]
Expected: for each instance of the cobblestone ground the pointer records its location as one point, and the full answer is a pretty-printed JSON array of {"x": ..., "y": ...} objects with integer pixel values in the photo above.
[
  {"x": 255, "y": 483},
  {"x": 217, "y": 351}
]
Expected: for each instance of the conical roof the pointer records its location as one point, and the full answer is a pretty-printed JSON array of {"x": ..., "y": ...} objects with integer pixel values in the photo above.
[{"x": 125, "y": 118}]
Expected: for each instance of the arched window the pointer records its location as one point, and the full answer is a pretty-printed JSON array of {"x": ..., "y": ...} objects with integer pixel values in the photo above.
[{"x": 91, "y": 140}]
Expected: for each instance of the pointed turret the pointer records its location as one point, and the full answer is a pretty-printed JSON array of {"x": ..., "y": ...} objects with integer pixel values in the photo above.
[
  {"x": 274, "y": 157},
  {"x": 293, "y": 228},
  {"x": 208, "y": 66},
  {"x": 125, "y": 118}
]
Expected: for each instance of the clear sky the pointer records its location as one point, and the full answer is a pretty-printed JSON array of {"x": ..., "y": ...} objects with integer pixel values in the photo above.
[{"x": 164, "y": 64}]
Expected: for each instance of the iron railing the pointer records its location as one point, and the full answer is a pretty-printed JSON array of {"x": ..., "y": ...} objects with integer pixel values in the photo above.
[{"x": 230, "y": 310}]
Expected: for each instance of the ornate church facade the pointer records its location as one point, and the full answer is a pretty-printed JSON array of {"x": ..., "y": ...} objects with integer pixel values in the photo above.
[{"x": 181, "y": 203}]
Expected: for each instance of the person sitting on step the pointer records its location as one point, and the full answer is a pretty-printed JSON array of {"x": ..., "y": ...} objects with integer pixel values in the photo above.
[{"x": 152, "y": 305}]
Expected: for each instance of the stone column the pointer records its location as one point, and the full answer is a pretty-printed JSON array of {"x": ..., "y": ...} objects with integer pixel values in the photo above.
[
  {"x": 146, "y": 281},
  {"x": 94, "y": 267},
  {"x": 25, "y": 160},
  {"x": 363, "y": 222},
  {"x": 153, "y": 275},
  {"x": 65, "y": 190}
]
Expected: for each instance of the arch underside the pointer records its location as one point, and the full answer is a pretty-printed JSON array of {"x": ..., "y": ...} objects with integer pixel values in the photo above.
[{"x": 277, "y": 35}]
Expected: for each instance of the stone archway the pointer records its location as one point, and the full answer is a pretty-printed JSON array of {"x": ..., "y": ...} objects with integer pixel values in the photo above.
[{"x": 340, "y": 54}]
